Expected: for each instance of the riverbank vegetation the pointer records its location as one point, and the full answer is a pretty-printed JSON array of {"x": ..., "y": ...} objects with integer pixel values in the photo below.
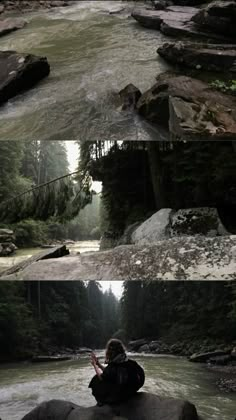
[
  {"x": 59, "y": 317},
  {"x": 38, "y": 215}
]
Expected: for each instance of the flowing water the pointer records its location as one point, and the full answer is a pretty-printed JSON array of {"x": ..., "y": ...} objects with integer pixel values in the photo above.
[
  {"x": 92, "y": 54},
  {"x": 24, "y": 385},
  {"x": 22, "y": 254}
]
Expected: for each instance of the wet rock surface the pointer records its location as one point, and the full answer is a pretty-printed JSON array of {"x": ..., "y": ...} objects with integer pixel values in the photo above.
[
  {"x": 19, "y": 72},
  {"x": 207, "y": 57},
  {"x": 189, "y": 108},
  {"x": 10, "y": 25},
  {"x": 177, "y": 21},
  {"x": 180, "y": 258},
  {"x": 218, "y": 17},
  {"x": 143, "y": 406}
]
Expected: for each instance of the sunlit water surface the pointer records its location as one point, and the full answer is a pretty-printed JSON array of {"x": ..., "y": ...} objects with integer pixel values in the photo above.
[
  {"x": 93, "y": 54},
  {"x": 24, "y": 385}
]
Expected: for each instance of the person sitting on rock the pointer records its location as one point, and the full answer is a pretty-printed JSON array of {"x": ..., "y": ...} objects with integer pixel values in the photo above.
[{"x": 120, "y": 380}]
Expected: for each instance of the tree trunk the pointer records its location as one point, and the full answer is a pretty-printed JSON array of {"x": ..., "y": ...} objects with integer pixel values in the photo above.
[{"x": 157, "y": 174}]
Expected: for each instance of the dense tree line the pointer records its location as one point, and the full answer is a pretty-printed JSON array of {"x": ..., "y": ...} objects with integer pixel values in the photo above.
[
  {"x": 179, "y": 310},
  {"x": 38, "y": 317},
  {"x": 47, "y": 317}
]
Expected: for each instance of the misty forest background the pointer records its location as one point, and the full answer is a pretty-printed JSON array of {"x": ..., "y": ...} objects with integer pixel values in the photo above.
[
  {"x": 138, "y": 179},
  {"x": 48, "y": 317}
]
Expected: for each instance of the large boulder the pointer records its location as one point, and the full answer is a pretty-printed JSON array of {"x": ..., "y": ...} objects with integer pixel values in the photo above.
[
  {"x": 19, "y": 72},
  {"x": 143, "y": 406},
  {"x": 189, "y": 108},
  {"x": 196, "y": 221},
  {"x": 7, "y": 248},
  {"x": 177, "y": 21},
  {"x": 168, "y": 223},
  {"x": 134, "y": 345},
  {"x": 153, "y": 19},
  {"x": 209, "y": 57},
  {"x": 10, "y": 25},
  {"x": 153, "y": 229},
  {"x": 219, "y": 16},
  {"x": 179, "y": 258}
]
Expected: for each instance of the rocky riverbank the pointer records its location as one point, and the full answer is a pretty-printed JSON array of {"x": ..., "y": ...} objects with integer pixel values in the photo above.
[
  {"x": 31, "y": 5},
  {"x": 188, "y": 108},
  {"x": 218, "y": 356}
]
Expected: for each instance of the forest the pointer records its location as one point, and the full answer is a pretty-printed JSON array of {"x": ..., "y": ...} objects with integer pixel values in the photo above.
[
  {"x": 41, "y": 200},
  {"x": 46, "y": 317}
]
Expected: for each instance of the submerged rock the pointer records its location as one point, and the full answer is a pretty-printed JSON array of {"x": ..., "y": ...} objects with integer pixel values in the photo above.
[
  {"x": 19, "y": 72},
  {"x": 179, "y": 258},
  {"x": 10, "y": 25},
  {"x": 209, "y": 57},
  {"x": 189, "y": 108},
  {"x": 129, "y": 96},
  {"x": 142, "y": 406}
]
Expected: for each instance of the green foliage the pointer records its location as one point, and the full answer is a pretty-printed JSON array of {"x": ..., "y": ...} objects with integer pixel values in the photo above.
[
  {"x": 30, "y": 233},
  {"x": 226, "y": 87}
]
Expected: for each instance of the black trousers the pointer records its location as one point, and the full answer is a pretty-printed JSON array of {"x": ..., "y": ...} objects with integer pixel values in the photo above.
[{"x": 108, "y": 393}]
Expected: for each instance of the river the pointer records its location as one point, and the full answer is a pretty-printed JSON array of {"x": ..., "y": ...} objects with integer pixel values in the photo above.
[
  {"x": 92, "y": 54},
  {"x": 25, "y": 253},
  {"x": 24, "y": 385}
]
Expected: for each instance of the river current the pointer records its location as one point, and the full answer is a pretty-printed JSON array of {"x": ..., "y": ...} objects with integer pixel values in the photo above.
[
  {"x": 93, "y": 54},
  {"x": 24, "y": 385}
]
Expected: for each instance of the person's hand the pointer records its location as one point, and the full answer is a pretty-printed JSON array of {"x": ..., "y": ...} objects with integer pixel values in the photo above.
[{"x": 94, "y": 359}]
